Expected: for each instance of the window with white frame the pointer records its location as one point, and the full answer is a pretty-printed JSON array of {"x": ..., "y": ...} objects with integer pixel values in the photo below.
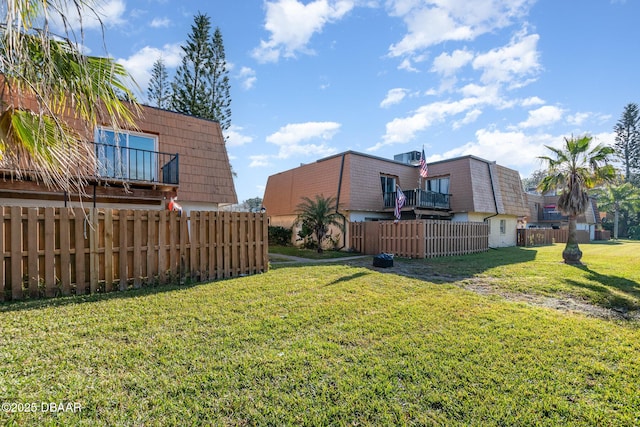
[
  {"x": 126, "y": 155},
  {"x": 503, "y": 226}
]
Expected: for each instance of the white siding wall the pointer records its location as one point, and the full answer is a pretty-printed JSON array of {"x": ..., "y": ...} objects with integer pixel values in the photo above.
[{"x": 497, "y": 239}]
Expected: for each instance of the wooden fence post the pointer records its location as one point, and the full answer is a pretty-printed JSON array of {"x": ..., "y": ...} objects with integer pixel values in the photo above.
[{"x": 16, "y": 253}]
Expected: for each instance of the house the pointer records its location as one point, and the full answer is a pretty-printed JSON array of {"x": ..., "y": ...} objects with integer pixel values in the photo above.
[
  {"x": 544, "y": 213},
  {"x": 167, "y": 154},
  {"x": 461, "y": 189}
]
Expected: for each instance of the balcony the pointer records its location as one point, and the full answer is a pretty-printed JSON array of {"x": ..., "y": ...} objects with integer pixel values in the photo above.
[
  {"x": 136, "y": 165},
  {"x": 419, "y": 199},
  {"x": 550, "y": 213}
]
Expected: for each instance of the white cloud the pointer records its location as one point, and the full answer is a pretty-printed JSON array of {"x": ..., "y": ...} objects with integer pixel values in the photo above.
[
  {"x": 407, "y": 65},
  {"x": 248, "y": 77},
  {"x": 259, "y": 160},
  {"x": 511, "y": 64},
  {"x": 235, "y": 138},
  {"x": 534, "y": 100},
  {"x": 401, "y": 130},
  {"x": 470, "y": 117},
  {"x": 293, "y": 23},
  {"x": 488, "y": 92},
  {"x": 430, "y": 22},
  {"x": 289, "y": 138},
  {"x": 542, "y": 116},
  {"x": 448, "y": 64},
  {"x": 160, "y": 23},
  {"x": 108, "y": 13},
  {"x": 514, "y": 149},
  {"x": 394, "y": 96},
  {"x": 578, "y": 119},
  {"x": 139, "y": 64}
]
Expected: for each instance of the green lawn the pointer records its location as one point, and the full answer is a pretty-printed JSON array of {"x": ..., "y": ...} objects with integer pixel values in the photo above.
[
  {"x": 610, "y": 276},
  {"x": 338, "y": 345}
]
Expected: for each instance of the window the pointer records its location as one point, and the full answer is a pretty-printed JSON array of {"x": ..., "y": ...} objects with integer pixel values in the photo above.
[
  {"x": 388, "y": 183},
  {"x": 126, "y": 155},
  {"x": 503, "y": 226},
  {"x": 437, "y": 185},
  {"x": 388, "y": 189}
]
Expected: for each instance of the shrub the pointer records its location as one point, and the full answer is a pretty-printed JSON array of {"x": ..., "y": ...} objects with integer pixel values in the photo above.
[{"x": 280, "y": 236}]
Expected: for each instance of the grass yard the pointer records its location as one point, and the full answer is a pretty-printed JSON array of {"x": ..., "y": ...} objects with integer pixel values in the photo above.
[
  {"x": 609, "y": 278},
  {"x": 332, "y": 344}
]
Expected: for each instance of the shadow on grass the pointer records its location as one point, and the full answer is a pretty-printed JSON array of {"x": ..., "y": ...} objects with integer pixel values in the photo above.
[
  {"x": 628, "y": 290},
  {"x": 456, "y": 267},
  {"x": 61, "y": 301},
  {"x": 347, "y": 278}
]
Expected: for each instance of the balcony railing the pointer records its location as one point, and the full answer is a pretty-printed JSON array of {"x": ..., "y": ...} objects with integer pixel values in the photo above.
[
  {"x": 552, "y": 215},
  {"x": 419, "y": 199},
  {"x": 133, "y": 164}
]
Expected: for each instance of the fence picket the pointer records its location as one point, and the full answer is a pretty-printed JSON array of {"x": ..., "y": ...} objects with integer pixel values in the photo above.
[{"x": 49, "y": 252}]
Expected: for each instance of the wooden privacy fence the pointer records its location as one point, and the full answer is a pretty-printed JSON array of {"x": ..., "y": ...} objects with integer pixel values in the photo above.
[
  {"x": 549, "y": 236},
  {"x": 63, "y": 251},
  {"x": 419, "y": 238},
  {"x": 541, "y": 236}
]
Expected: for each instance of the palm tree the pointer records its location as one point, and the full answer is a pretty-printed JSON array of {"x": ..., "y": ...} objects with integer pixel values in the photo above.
[
  {"x": 47, "y": 83},
  {"x": 576, "y": 168},
  {"x": 318, "y": 215},
  {"x": 616, "y": 199}
]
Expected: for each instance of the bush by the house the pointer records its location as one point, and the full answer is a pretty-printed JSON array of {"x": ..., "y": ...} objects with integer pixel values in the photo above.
[{"x": 280, "y": 236}]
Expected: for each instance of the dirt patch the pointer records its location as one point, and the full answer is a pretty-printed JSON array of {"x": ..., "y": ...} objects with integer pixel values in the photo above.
[{"x": 485, "y": 286}]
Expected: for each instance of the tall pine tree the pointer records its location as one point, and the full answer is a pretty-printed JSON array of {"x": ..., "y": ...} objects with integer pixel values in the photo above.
[
  {"x": 219, "y": 80},
  {"x": 627, "y": 144},
  {"x": 191, "y": 93},
  {"x": 158, "y": 91}
]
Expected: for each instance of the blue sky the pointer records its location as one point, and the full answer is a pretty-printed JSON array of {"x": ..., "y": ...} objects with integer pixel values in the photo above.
[{"x": 498, "y": 79}]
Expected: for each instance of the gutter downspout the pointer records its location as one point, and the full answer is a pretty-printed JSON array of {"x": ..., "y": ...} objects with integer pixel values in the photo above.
[{"x": 344, "y": 219}]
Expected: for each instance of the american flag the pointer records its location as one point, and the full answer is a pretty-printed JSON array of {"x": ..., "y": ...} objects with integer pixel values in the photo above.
[
  {"x": 400, "y": 199},
  {"x": 424, "y": 171}
]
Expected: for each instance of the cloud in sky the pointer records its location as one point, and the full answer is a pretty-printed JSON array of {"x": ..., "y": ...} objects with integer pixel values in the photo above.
[
  {"x": 289, "y": 139},
  {"x": 394, "y": 96},
  {"x": 432, "y": 22},
  {"x": 160, "y": 23},
  {"x": 292, "y": 23},
  {"x": 108, "y": 13},
  {"x": 259, "y": 161},
  {"x": 511, "y": 63},
  {"x": 448, "y": 64},
  {"x": 505, "y": 147},
  {"x": 235, "y": 138},
  {"x": 542, "y": 116},
  {"x": 141, "y": 62},
  {"x": 248, "y": 78}
]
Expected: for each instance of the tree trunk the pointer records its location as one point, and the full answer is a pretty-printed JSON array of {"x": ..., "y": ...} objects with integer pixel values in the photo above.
[
  {"x": 572, "y": 253},
  {"x": 320, "y": 237},
  {"x": 615, "y": 223}
]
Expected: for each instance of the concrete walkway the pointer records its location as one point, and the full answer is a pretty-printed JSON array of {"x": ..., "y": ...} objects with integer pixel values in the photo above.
[{"x": 283, "y": 259}]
